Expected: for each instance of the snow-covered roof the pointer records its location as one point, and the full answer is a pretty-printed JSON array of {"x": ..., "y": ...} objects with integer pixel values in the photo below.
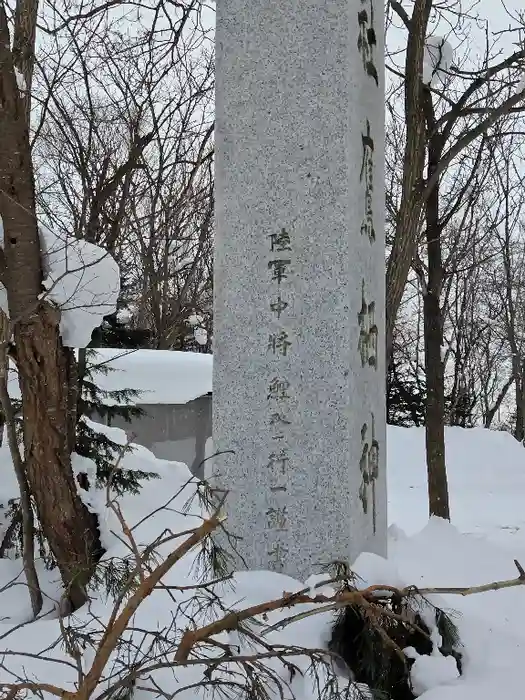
[{"x": 162, "y": 376}]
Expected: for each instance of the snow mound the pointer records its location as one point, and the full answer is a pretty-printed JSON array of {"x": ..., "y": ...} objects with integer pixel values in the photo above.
[
  {"x": 486, "y": 475},
  {"x": 438, "y": 555},
  {"x": 431, "y": 671}
]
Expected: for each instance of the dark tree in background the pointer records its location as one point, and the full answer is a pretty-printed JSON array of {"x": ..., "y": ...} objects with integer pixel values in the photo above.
[{"x": 405, "y": 399}]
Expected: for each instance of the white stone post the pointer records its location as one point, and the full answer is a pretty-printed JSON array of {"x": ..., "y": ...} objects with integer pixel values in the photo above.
[{"x": 299, "y": 375}]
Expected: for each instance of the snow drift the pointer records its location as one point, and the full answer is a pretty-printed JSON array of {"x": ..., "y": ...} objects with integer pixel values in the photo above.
[{"x": 485, "y": 467}]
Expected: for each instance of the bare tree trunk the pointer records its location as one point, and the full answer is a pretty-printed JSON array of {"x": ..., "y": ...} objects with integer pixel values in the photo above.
[
  {"x": 44, "y": 365},
  {"x": 435, "y": 402},
  {"x": 26, "y": 509},
  {"x": 23, "y": 48},
  {"x": 70, "y": 529},
  {"x": 519, "y": 427},
  {"x": 490, "y": 414},
  {"x": 433, "y": 334},
  {"x": 410, "y": 209},
  {"x": 511, "y": 283}
]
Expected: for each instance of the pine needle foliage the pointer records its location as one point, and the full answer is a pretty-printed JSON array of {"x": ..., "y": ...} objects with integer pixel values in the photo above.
[
  {"x": 96, "y": 445},
  {"x": 371, "y": 641},
  {"x": 115, "y": 577}
]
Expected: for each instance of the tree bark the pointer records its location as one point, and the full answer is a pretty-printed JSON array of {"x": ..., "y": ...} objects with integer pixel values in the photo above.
[
  {"x": 25, "y": 518},
  {"x": 491, "y": 412},
  {"x": 44, "y": 365},
  {"x": 70, "y": 529},
  {"x": 519, "y": 427},
  {"x": 411, "y": 205},
  {"x": 433, "y": 335},
  {"x": 24, "y": 48}
]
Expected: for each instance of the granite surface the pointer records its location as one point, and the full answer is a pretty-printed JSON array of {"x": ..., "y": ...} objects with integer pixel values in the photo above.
[{"x": 298, "y": 386}]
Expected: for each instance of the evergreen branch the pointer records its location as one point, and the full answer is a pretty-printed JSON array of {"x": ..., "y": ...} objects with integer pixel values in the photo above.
[
  {"x": 362, "y": 598},
  {"x": 113, "y": 505},
  {"x": 120, "y": 623},
  {"x": 337, "y": 606}
]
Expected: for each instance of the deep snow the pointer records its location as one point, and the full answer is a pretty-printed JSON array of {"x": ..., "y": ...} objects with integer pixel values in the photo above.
[{"x": 486, "y": 476}]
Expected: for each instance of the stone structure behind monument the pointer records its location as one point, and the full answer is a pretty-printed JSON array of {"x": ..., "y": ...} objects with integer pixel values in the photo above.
[{"x": 298, "y": 386}]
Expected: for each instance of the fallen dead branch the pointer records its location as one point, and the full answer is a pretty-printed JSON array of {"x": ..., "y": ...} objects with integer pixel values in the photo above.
[
  {"x": 370, "y": 599},
  {"x": 363, "y": 597}
]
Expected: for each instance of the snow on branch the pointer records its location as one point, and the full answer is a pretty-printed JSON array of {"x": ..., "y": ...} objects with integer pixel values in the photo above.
[
  {"x": 81, "y": 279},
  {"x": 437, "y": 60}
]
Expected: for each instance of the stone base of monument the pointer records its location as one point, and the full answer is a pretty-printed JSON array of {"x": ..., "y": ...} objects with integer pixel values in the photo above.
[{"x": 380, "y": 641}]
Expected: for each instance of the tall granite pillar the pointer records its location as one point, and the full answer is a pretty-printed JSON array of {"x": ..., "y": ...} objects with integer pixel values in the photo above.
[{"x": 298, "y": 388}]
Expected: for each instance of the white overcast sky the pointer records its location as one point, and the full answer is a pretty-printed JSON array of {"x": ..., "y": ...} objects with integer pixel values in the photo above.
[
  {"x": 492, "y": 15},
  {"x": 494, "y": 11}
]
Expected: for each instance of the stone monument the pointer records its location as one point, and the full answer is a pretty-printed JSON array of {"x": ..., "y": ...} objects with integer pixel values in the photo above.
[{"x": 298, "y": 386}]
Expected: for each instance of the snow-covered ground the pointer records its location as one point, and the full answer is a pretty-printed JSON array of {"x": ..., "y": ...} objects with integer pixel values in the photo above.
[
  {"x": 487, "y": 479},
  {"x": 486, "y": 473}
]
